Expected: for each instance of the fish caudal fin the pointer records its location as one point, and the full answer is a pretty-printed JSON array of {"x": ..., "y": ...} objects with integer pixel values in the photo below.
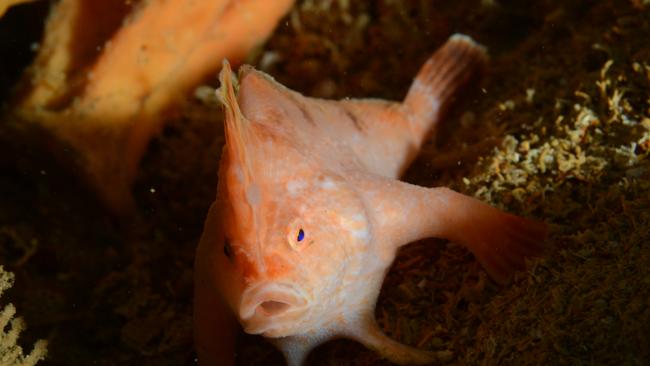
[{"x": 444, "y": 73}]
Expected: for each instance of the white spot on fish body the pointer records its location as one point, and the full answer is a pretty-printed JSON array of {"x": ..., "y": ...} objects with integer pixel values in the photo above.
[
  {"x": 426, "y": 92},
  {"x": 239, "y": 174},
  {"x": 327, "y": 184},
  {"x": 294, "y": 186},
  {"x": 358, "y": 217},
  {"x": 357, "y": 226},
  {"x": 253, "y": 195},
  {"x": 362, "y": 234}
]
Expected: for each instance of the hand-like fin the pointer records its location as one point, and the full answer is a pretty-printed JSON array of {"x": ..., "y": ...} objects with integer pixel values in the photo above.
[
  {"x": 372, "y": 337},
  {"x": 500, "y": 241},
  {"x": 405, "y": 213}
]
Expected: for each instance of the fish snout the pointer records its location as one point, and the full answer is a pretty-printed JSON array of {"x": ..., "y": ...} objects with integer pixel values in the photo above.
[{"x": 270, "y": 300}]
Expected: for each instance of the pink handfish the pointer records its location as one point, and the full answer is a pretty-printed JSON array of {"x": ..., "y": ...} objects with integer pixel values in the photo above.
[{"x": 309, "y": 213}]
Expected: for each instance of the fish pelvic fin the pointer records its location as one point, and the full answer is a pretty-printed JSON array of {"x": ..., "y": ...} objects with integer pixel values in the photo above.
[{"x": 373, "y": 338}]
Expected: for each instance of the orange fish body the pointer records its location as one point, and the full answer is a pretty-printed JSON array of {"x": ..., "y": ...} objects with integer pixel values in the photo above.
[{"x": 309, "y": 213}]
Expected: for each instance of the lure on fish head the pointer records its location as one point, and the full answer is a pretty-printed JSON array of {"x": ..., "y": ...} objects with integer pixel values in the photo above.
[{"x": 296, "y": 262}]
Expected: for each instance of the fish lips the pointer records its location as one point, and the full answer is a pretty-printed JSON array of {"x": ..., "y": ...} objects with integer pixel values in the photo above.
[{"x": 267, "y": 306}]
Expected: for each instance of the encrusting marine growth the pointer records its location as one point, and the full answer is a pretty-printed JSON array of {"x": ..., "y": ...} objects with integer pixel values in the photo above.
[
  {"x": 108, "y": 72},
  {"x": 6, "y": 4},
  {"x": 11, "y": 354}
]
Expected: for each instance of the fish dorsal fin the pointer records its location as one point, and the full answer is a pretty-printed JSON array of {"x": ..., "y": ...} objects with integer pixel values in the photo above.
[
  {"x": 237, "y": 126},
  {"x": 240, "y": 142},
  {"x": 260, "y": 95}
]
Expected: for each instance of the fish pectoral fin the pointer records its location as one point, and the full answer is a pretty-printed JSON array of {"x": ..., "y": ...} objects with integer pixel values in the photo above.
[
  {"x": 501, "y": 242},
  {"x": 373, "y": 338},
  {"x": 404, "y": 213}
]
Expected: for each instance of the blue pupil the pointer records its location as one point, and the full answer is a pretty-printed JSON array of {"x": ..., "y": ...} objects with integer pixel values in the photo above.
[{"x": 301, "y": 235}]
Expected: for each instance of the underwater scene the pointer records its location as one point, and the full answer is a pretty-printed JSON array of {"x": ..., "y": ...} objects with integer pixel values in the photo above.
[{"x": 324, "y": 182}]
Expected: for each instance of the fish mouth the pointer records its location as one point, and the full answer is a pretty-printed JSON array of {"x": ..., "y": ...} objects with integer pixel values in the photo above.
[{"x": 267, "y": 306}]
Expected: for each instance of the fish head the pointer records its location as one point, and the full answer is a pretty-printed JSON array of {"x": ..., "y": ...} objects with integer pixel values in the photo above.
[
  {"x": 292, "y": 258},
  {"x": 294, "y": 237}
]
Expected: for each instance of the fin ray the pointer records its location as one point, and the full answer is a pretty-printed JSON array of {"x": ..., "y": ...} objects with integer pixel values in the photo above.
[
  {"x": 444, "y": 73},
  {"x": 236, "y": 125},
  {"x": 505, "y": 242}
]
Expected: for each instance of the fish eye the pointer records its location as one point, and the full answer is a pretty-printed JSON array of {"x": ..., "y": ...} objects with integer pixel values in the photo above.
[
  {"x": 227, "y": 250},
  {"x": 297, "y": 236}
]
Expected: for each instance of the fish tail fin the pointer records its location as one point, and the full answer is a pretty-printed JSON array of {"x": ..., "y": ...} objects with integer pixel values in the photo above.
[{"x": 444, "y": 73}]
